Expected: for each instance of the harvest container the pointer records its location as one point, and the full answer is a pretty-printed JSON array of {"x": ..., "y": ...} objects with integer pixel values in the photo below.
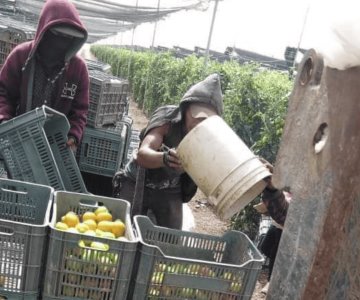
[
  {"x": 222, "y": 166},
  {"x": 76, "y": 271},
  {"x": 24, "y": 218},
  {"x": 175, "y": 264},
  {"x": 102, "y": 150},
  {"x": 33, "y": 146}
]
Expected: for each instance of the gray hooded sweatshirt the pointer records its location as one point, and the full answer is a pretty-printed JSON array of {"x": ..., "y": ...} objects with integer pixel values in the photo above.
[{"x": 208, "y": 92}]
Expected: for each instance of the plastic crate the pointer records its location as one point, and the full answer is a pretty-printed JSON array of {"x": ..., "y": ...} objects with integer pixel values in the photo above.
[
  {"x": 33, "y": 148},
  {"x": 98, "y": 65},
  {"x": 9, "y": 38},
  {"x": 175, "y": 264},
  {"x": 77, "y": 272},
  {"x": 24, "y": 218},
  {"x": 108, "y": 99},
  {"x": 102, "y": 150}
]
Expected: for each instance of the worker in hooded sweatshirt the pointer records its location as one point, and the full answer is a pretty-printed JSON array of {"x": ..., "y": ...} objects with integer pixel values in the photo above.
[
  {"x": 166, "y": 185},
  {"x": 47, "y": 71}
]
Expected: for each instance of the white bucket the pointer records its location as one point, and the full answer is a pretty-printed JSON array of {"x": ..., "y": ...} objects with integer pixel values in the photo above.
[{"x": 222, "y": 166}]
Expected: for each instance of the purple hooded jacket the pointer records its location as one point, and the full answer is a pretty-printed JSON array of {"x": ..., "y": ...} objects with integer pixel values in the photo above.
[{"x": 17, "y": 73}]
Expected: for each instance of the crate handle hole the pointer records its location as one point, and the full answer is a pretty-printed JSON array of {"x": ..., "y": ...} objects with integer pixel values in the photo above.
[
  {"x": 86, "y": 149},
  {"x": 13, "y": 191},
  {"x": 4, "y": 230},
  {"x": 89, "y": 203}
]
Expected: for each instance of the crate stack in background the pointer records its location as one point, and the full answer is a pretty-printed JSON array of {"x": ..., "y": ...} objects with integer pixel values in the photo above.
[
  {"x": 11, "y": 37},
  {"x": 108, "y": 99},
  {"x": 103, "y": 149}
]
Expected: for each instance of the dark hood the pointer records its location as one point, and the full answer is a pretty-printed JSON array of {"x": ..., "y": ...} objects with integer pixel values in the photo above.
[
  {"x": 60, "y": 12},
  {"x": 207, "y": 91}
]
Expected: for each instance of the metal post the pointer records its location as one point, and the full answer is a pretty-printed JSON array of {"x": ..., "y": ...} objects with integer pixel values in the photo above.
[
  {"x": 210, "y": 35},
  {"x": 155, "y": 26},
  {"x": 132, "y": 42}
]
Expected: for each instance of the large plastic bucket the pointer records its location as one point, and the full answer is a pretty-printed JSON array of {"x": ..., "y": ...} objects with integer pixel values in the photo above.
[{"x": 222, "y": 166}]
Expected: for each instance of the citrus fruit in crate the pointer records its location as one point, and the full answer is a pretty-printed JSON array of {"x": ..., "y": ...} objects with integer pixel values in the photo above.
[{"x": 70, "y": 219}]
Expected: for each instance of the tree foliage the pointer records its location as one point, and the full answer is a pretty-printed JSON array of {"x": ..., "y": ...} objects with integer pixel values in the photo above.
[{"x": 255, "y": 99}]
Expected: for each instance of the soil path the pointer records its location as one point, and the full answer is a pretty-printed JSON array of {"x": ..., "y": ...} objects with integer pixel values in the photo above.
[{"x": 206, "y": 221}]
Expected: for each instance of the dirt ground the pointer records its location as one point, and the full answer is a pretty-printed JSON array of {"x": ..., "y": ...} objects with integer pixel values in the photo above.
[{"x": 206, "y": 221}]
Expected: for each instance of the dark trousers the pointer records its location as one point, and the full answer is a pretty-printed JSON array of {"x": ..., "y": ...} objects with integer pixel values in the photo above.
[
  {"x": 165, "y": 204},
  {"x": 269, "y": 246}
]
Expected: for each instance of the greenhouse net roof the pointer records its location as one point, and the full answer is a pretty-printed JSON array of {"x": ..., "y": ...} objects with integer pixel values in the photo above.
[{"x": 102, "y": 18}]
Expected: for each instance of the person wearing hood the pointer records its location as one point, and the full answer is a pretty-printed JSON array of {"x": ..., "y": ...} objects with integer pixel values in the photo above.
[
  {"x": 47, "y": 71},
  {"x": 166, "y": 186}
]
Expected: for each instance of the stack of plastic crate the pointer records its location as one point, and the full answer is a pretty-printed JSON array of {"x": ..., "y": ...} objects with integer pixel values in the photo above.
[
  {"x": 108, "y": 99},
  {"x": 24, "y": 219},
  {"x": 81, "y": 266},
  {"x": 98, "y": 65},
  {"x": 33, "y": 147},
  {"x": 9, "y": 38},
  {"x": 175, "y": 264}
]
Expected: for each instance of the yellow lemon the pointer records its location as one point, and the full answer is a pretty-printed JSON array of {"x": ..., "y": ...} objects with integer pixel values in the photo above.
[
  {"x": 61, "y": 226},
  {"x": 99, "y": 232},
  {"x": 101, "y": 209},
  {"x": 71, "y": 219},
  {"x": 118, "y": 228},
  {"x": 89, "y": 215},
  {"x": 104, "y": 216},
  {"x": 90, "y": 232},
  {"x": 91, "y": 224},
  {"x": 105, "y": 226},
  {"x": 82, "y": 227},
  {"x": 108, "y": 235},
  {"x": 82, "y": 243},
  {"x": 99, "y": 246},
  {"x": 72, "y": 229}
]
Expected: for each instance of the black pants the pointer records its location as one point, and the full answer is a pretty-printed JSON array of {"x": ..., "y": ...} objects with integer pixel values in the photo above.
[
  {"x": 166, "y": 204},
  {"x": 269, "y": 246}
]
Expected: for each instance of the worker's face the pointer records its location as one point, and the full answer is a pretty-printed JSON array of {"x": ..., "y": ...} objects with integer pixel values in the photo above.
[
  {"x": 190, "y": 121},
  {"x": 54, "y": 46}
]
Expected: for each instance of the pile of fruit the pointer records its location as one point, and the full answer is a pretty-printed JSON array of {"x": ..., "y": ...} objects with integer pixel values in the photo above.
[
  {"x": 157, "y": 288},
  {"x": 98, "y": 223}
]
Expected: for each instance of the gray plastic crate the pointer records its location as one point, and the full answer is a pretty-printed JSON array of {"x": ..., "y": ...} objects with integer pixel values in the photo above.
[
  {"x": 33, "y": 148},
  {"x": 102, "y": 150},
  {"x": 77, "y": 272},
  {"x": 175, "y": 264},
  {"x": 24, "y": 218},
  {"x": 108, "y": 99}
]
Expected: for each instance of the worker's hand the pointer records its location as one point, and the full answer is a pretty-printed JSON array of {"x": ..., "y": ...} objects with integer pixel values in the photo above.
[
  {"x": 171, "y": 159},
  {"x": 71, "y": 143},
  {"x": 270, "y": 167}
]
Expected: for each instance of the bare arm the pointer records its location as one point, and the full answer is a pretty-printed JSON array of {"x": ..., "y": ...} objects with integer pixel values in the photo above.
[{"x": 149, "y": 155}]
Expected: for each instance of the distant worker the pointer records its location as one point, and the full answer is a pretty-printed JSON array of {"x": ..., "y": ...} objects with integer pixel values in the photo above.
[
  {"x": 166, "y": 186},
  {"x": 274, "y": 203},
  {"x": 47, "y": 71}
]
